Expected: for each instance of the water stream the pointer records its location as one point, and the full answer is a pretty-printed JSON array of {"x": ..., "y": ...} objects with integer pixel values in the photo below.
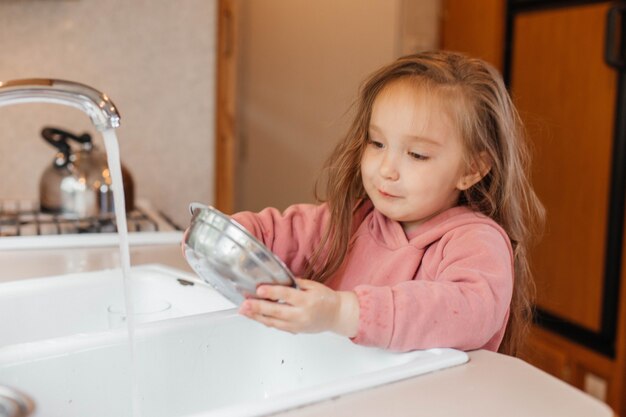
[{"x": 115, "y": 169}]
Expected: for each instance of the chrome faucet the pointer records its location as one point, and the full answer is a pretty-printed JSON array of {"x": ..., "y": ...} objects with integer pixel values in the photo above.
[
  {"x": 103, "y": 115},
  {"x": 97, "y": 105}
]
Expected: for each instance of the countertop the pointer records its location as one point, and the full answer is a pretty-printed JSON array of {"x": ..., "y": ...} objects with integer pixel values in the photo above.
[{"x": 490, "y": 384}]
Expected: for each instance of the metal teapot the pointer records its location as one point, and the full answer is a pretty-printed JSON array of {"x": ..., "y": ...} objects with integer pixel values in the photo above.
[{"x": 78, "y": 183}]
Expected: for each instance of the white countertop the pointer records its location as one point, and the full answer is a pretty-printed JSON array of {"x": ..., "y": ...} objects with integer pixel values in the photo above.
[{"x": 489, "y": 385}]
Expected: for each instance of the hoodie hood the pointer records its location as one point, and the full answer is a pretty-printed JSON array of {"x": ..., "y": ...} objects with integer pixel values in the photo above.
[{"x": 390, "y": 233}]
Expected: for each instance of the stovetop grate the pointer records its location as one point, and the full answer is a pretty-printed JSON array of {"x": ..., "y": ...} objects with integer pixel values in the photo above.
[{"x": 23, "y": 218}]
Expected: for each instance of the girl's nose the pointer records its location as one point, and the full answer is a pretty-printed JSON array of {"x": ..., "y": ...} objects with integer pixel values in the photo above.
[{"x": 389, "y": 168}]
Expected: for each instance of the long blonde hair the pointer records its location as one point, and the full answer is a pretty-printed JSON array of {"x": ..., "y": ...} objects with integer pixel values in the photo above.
[{"x": 489, "y": 124}]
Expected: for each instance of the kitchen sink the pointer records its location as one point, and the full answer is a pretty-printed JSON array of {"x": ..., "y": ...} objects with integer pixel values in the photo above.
[
  {"x": 218, "y": 364},
  {"x": 93, "y": 302},
  {"x": 203, "y": 359}
]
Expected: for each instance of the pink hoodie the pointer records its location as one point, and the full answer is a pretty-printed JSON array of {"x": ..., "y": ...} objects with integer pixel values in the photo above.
[{"x": 448, "y": 284}]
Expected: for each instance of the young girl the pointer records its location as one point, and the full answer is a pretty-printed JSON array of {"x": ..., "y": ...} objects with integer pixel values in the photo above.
[{"x": 423, "y": 239}]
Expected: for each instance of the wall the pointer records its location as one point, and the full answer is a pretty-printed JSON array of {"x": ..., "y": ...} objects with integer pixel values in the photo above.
[
  {"x": 301, "y": 63},
  {"x": 155, "y": 59}
]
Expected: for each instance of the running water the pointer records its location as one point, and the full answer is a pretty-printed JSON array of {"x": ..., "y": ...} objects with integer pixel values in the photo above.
[{"x": 113, "y": 159}]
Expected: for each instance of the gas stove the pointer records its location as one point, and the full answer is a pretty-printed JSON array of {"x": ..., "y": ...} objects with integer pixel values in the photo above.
[{"x": 24, "y": 226}]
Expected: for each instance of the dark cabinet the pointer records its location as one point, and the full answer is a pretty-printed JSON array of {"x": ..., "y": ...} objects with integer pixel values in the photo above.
[
  {"x": 562, "y": 61},
  {"x": 566, "y": 95}
]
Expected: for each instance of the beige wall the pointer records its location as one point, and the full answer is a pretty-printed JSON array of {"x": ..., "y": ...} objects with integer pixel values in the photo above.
[
  {"x": 301, "y": 63},
  {"x": 155, "y": 59}
]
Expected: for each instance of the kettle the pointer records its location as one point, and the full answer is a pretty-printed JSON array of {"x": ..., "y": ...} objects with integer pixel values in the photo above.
[{"x": 78, "y": 184}]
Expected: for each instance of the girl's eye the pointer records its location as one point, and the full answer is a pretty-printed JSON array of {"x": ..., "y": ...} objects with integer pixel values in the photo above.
[
  {"x": 418, "y": 156},
  {"x": 375, "y": 143}
]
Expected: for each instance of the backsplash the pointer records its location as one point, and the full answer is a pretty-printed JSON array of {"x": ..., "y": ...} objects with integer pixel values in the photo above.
[{"x": 154, "y": 59}]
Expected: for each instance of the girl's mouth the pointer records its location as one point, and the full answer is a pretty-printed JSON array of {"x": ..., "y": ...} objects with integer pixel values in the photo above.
[{"x": 386, "y": 195}]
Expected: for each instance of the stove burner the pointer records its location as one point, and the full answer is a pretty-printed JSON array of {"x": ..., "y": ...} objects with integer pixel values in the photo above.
[{"x": 23, "y": 218}]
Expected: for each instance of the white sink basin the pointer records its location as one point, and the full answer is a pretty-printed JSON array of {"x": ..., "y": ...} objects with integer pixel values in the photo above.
[
  {"x": 52, "y": 307},
  {"x": 208, "y": 364}
]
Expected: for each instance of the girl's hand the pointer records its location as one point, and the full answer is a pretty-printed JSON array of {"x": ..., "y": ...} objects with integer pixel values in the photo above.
[{"x": 311, "y": 309}]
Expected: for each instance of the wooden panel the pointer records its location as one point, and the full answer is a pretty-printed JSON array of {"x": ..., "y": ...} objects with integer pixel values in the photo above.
[
  {"x": 552, "y": 359},
  {"x": 225, "y": 146},
  {"x": 566, "y": 95},
  {"x": 571, "y": 362},
  {"x": 475, "y": 28}
]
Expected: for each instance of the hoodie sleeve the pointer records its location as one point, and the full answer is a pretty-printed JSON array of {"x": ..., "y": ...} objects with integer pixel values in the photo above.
[
  {"x": 464, "y": 305},
  {"x": 292, "y": 235}
]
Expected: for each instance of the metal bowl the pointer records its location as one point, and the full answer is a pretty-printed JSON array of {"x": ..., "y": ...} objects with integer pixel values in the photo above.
[{"x": 229, "y": 258}]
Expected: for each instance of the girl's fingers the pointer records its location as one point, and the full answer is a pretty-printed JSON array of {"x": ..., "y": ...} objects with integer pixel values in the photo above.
[
  {"x": 273, "y": 322},
  {"x": 266, "y": 309},
  {"x": 287, "y": 294},
  {"x": 307, "y": 284},
  {"x": 278, "y": 293},
  {"x": 268, "y": 313}
]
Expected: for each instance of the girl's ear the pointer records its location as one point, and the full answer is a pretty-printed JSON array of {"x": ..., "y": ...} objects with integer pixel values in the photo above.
[{"x": 479, "y": 167}]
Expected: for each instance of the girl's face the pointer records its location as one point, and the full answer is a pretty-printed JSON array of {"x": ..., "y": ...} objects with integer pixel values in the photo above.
[{"x": 412, "y": 166}]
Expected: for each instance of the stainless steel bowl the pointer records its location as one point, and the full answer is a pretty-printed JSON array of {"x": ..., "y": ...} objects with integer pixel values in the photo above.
[{"x": 229, "y": 258}]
